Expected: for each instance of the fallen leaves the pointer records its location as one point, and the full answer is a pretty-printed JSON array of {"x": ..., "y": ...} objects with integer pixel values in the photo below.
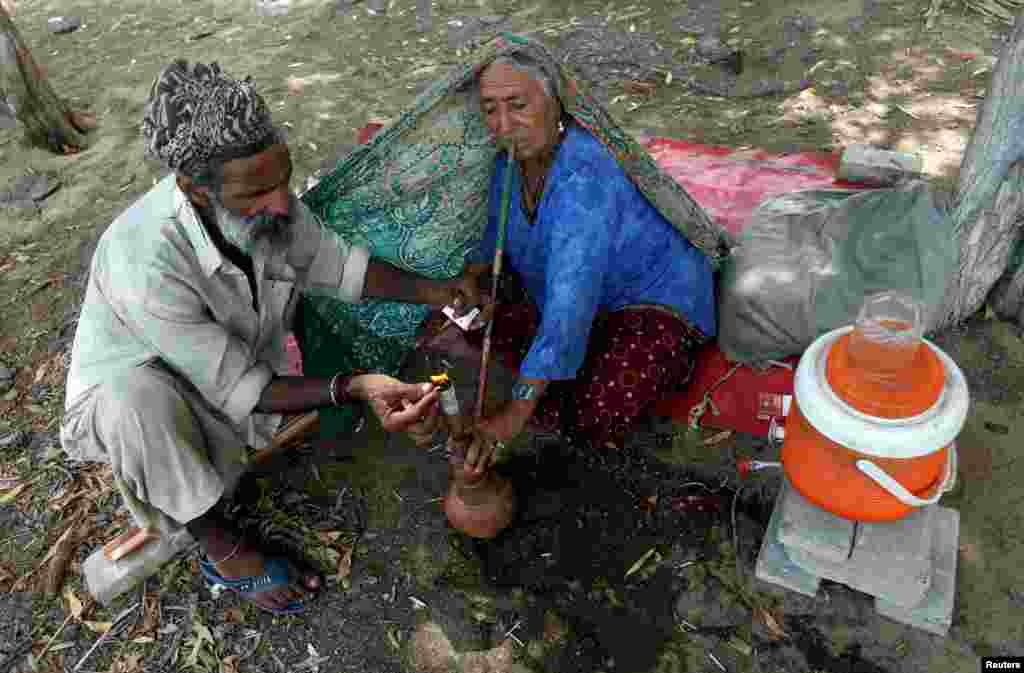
[
  {"x": 337, "y": 554},
  {"x": 75, "y": 606},
  {"x": 7, "y": 576},
  {"x": 98, "y": 627},
  {"x": 640, "y": 88},
  {"x": 202, "y": 644},
  {"x": 127, "y": 663},
  {"x": 641, "y": 561},
  {"x": 648, "y": 503},
  {"x": 234, "y": 616},
  {"x": 147, "y": 631},
  {"x": 11, "y": 494},
  {"x": 60, "y": 556},
  {"x": 772, "y": 623},
  {"x": 717, "y": 438},
  {"x": 555, "y": 630},
  {"x": 230, "y": 664}
]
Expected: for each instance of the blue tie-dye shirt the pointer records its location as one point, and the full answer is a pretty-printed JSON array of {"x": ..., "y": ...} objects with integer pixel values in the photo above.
[{"x": 597, "y": 244}]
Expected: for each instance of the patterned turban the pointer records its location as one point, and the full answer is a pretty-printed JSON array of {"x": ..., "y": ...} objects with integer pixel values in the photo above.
[{"x": 196, "y": 113}]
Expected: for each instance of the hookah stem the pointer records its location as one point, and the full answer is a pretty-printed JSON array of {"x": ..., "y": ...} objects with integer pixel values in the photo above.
[{"x": 499, "y": 249}]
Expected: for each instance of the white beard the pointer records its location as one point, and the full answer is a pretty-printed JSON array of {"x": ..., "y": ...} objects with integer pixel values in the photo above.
[{"x": 250, "y": 233}]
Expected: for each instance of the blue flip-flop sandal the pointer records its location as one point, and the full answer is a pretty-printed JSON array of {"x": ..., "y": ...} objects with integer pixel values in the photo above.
[{"x": 277, "y": 574}]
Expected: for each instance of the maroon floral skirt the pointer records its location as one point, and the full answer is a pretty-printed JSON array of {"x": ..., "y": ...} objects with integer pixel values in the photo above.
[{"x": 635, "y": 357}]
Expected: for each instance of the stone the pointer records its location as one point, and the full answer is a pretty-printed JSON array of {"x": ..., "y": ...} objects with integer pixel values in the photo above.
[
  {"x": 64, "y": 24},
  {"x": 890, "y": 559},
  {"x": 808, "y": 528},
  {"x": 7, "y": 373},
  {"x": 934, "y": 613},
  {"x": 773, "y": 563}
]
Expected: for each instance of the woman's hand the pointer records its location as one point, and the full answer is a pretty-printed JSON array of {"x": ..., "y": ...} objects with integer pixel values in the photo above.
[
  {"x": 466, "y": 291},
  {"x": 478, "y": 452},
  {"x": 508, "y": 422},
  {"x": 399, "y": 406}
]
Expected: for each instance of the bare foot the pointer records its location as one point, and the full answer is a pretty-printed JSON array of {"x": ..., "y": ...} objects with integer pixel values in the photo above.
[{"x": 248, "y": 561}]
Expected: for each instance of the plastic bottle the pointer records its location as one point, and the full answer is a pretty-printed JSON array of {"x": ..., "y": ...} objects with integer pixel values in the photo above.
[
  {"x": 886, "y": 338},
  {"x": 106, "y": 580}
]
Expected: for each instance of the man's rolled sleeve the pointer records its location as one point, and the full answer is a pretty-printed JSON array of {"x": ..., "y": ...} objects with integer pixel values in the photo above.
[
  {"x": 336, "y": 268},
  {"x": 243, "y": 398}
]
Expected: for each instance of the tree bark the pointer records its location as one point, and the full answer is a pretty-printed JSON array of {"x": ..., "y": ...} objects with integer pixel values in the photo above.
[
  {"x": 989, "y": 202},
  {"x": 47, "y": 120}
]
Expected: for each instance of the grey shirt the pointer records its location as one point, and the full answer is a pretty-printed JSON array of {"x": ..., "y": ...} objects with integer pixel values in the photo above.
[{"x": 160, "y": 289}]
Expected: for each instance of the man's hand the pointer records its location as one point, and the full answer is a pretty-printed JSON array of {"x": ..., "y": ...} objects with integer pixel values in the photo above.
[
  {"x": 399, "y": 406},
  {"x": 424, "y": 429}
]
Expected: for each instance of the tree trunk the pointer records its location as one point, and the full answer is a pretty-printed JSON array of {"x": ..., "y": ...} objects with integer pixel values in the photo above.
[
  {"x": 990, "y": 196},
  {"x": 46, "y": 118}
]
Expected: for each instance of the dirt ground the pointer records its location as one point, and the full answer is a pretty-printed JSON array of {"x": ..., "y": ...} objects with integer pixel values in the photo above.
[{"x": 551, "y": 594}]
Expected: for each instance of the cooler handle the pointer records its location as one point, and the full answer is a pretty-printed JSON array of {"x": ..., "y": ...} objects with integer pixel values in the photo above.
[{"x": 900, "y": 492}]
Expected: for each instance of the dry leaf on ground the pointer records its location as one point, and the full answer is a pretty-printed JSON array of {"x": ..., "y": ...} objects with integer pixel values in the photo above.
[
  {"x": 149, "y": 627},
  {"x": 60, "y": 556},
  {"x": 75, "y": 607},
  {"x": 717, "y": 438},
  {"x": 555, "y": 630},
  {"x": 641, "y": 561},
  {"x": 345, "y": 564},
  {"x": 234, "y": 616},
  {"x": 772, "y": 622},
  {"x": 98, "y": 627},
  {"x": 230, "y": 664},
  {"x": 127, "y": 664},
  {"x": 11, "y": 494},
  {"x": 6, "y": 575}
]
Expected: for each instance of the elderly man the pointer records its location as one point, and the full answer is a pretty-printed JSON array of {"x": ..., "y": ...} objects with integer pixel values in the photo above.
[{"x": 178, "y": 362}]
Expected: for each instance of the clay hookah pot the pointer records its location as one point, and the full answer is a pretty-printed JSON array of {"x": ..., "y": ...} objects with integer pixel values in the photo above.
[{"x": 479, "y": 505}]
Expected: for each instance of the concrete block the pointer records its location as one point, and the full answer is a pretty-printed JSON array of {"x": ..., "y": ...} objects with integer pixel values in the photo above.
[
  {"x": 810, "y": 529},
  {"x": 934, "y": 613},
  {"x": 892, "y": 560},
  {"x": 773, "y": 563}
]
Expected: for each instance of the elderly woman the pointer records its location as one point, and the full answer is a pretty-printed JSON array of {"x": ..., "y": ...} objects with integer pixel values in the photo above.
[
  {"x": 617, "y": 255},
  {"x": 606, "y": 300}
]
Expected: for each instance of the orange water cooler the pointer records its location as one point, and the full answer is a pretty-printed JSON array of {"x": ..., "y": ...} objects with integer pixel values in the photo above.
[{"x": 871, "y": 434}]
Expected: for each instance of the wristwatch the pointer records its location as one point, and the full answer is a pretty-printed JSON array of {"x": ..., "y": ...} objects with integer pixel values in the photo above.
[{"x": 524, "y": 391}]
